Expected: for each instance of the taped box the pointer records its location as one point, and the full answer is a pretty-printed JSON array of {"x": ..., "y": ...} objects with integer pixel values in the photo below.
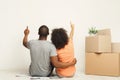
[
  {"x": 98, "y": 44},
  {"x": 104, "y": 32},
  {"x": 115, "y": 47},
  {"x": 103, "y": 64}
]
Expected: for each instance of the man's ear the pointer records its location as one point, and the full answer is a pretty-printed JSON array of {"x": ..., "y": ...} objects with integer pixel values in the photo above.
[{"x": 48, "y": 33}]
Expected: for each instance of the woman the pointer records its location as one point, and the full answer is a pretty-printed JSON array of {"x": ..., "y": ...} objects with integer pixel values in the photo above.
[{"x": 65, "y": 50}]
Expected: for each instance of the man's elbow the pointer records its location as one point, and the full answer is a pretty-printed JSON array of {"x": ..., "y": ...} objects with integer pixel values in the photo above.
[
  {"x": 55, "y": 62},
  {"x": 55, "y": 65},
  {"x": 24, "y": 44}
]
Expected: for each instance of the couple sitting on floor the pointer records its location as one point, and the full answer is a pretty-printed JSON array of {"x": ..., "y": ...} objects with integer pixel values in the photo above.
[{"x": 46, "y": 55}]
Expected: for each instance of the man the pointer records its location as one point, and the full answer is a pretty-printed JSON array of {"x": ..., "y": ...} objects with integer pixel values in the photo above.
[{"x": 43, "y": 53}]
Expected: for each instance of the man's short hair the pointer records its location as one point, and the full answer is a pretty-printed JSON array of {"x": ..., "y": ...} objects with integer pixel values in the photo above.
[{"x": 43, "y": 31}]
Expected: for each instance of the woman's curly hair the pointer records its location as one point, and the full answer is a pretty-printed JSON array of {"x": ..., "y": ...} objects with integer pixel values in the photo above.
[{"x": 59, "y": 38}]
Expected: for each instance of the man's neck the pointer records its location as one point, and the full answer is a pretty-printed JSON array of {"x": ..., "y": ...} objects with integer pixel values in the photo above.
[{"x": 42, "y": 38}]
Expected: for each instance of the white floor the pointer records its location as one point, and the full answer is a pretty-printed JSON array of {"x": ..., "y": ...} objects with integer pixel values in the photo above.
[{"x": 17, "y": 75}]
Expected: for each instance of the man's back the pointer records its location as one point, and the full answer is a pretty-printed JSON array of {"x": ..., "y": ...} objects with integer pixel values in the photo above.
[{"x": 40, "y": 51}]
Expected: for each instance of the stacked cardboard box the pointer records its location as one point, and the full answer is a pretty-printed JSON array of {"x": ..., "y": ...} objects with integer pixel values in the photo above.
[
  {"x": 98, "y": 43},
  {"x": 102, "y": 56},
  {"x": 116, "y": 47},
  {"x": 102, "y": 64}
]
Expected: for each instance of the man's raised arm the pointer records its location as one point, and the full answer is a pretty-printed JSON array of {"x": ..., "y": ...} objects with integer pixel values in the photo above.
[{"x": 25, "y": 39}]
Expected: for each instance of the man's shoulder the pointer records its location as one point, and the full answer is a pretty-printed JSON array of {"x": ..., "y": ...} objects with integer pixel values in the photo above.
[
  {"x": 50, "y": 43},
  {"x": 32, "y": 40}
]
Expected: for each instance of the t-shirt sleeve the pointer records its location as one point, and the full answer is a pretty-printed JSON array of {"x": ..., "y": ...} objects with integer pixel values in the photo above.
[
  {"x": 53, "y": 51},
  {"x": 28, "y": 44}
]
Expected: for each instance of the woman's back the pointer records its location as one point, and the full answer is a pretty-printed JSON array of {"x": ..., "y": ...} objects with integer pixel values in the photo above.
[{"x": 66, "y": 54}]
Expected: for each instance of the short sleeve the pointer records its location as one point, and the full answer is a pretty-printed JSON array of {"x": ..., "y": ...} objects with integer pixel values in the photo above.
[
  {"x": 53, "y": 51},
  {"x": 28, "y": 44}
]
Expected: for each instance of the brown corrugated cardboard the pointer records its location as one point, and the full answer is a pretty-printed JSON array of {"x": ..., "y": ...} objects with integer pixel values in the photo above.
[
  {"x": 98, "y": 44},
  {"x": 115, "y": 47},
  {"x": 103, "y": 64},
  {"x": 104, "y": 32}
]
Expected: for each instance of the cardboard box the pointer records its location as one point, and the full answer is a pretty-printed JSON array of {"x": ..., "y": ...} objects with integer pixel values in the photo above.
[
  {"x": 98, "y": 44},
  {"x": 104, "y": 32},
  {"x": 115, "y": 47},
  {"x": 103, "y": 64}
]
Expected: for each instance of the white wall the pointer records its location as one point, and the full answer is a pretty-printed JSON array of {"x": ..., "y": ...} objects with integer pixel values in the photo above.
[{"x": 15, "y": 15}]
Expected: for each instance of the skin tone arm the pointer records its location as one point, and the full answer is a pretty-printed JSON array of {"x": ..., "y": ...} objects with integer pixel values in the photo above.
[
  {"x": 72, "y": 30},
  {"x": 25, "y": 39},
  {"x": 57, "y": 64}
]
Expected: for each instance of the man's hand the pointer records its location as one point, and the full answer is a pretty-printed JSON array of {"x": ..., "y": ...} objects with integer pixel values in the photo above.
[
  {"x": 26, "y": 31},
  {"x": 74, "y": 61},
  {"x": 25, "y": 39}
]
